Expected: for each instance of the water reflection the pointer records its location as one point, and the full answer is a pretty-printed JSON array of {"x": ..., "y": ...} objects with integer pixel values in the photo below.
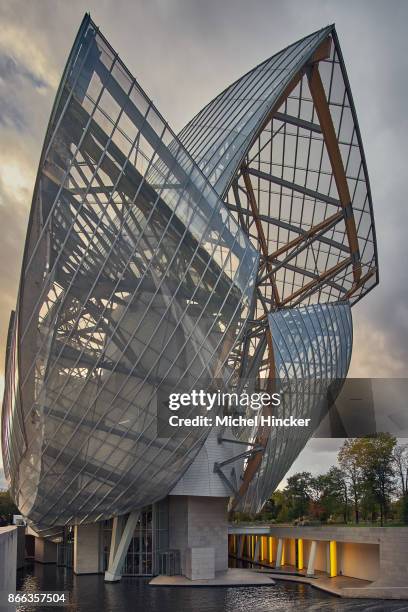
[{"x": 91, "y": 594}]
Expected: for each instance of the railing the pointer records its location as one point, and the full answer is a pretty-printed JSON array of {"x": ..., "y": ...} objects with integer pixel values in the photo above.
[{"x": 169, "y": 563}]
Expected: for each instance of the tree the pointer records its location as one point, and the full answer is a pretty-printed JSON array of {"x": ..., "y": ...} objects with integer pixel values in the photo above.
[
  {"x": 378, "y": 468},
  {"x": 350, "y": 461},
  {"x": 279, "y": 506},
  {"x": 400, "y": 458},
  {"x": 7, "y": 506},
  {"x": 298, "y": 492},
  {"x": 337, "y": 490}
]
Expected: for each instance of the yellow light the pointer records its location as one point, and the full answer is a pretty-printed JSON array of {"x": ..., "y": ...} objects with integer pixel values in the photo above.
[
  {"x": 333, "y": 558},
  {"x": 300, "y": 554},
  {"x": 270, "y": 541},
  {"x": 283, "y": 552}
]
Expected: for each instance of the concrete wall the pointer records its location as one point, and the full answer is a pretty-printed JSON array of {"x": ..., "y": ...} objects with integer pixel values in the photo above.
[
  {"x": 8, "y": 558},
  {"x": 87, "y": 549},
  {"x": 359, "y": 560},
  {"x": 200, "y": 478},
  {"x": 378, "y": 554},
  {"x": 199, "y": 522},
  {"x": 21, "y": 552},
  {"x": 45, "y": 551}
]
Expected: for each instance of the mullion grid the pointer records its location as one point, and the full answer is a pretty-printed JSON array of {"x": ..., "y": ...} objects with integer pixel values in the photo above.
[
  {"x": 210, "y": 168},
  {"x": 249, "y": 82}
]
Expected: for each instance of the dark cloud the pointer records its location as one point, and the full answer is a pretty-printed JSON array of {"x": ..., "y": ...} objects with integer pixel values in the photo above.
[{"x": 12, "y": 70}]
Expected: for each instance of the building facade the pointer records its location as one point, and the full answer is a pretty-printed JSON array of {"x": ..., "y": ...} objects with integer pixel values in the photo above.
[{"x": 229, "y": 255}]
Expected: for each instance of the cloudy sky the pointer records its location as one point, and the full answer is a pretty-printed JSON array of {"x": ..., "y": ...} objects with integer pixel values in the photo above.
[{"x": 184, "y": 52}]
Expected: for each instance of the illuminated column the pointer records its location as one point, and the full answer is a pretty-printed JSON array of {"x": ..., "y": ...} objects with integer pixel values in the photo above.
[
  {"x": 292, "y": 552},
  {"x": 283, "y": 560},
  {"x": 279, "y": 553},
  {"x": 300, "y": 554},
  {"x": 333, "y": 558},
  {"x": 270, "y": 549}
]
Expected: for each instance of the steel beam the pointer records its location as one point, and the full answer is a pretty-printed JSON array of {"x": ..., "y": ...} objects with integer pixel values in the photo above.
[
  {"x": 315, "y": 195},
  {"x": 298, "y": 122}
]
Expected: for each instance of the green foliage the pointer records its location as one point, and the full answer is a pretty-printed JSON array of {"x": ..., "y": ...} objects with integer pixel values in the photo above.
[
  {"x": 370, "y": 484},
  {"x": 404, "y": 509},
  {"x": 298, "y": 494},
  {"x": 369, "y": 467},
  {"x": 7, "y": 506}
]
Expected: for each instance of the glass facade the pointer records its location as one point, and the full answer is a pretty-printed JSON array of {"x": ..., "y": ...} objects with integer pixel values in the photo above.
[
  {"x": 135, "y": 278},
  {"x": 149, "y": 542},
  {"x": 312, "y": 349},
  {"x": 268, "y": 125},
  {"x": 157, "y": 263}
]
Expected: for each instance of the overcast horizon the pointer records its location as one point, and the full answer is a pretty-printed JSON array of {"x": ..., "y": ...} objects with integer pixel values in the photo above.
[{"x": 185, "y": 52}]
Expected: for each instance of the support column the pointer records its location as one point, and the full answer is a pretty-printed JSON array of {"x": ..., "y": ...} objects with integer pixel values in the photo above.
[
  {"x": 257, "y": 548},
  {"x": 118, "y": 525},
  {"x": 87, "y": 549},
  {"x": 300, "y": 554},
  {"x": 45, "y": 551},
  {"x": 121, "y": 543},
  {"x": 200, "y": 522},
  {"x": 312, "y": 559},
  {"x": 279, "y": 552},
  {"x": 333, "y": 558},
  {"x": 270, "y": 553}
]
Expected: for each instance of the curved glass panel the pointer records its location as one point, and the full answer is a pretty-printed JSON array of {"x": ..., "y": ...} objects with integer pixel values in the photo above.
[
  {"x": 220, "y": 134},
  {"x": 286, "y": 136},
  {"x": 312, "y": 348},
  {"x": 136, "y": 279}
]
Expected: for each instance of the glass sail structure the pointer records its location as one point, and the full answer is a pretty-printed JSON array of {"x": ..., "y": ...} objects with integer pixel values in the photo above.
[
  {"x": 136, "y": 278},
  {"x": 158, "y": 263}
]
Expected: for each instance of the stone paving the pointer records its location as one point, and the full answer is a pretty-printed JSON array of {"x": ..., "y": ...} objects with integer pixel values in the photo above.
[{"x": 232, "y": 577}]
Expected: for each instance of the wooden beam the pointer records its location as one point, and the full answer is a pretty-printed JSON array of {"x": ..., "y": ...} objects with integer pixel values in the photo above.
[
  {"x": 308, "y": 234},
  {"x": 360, "y": 283},
  {"x": 322, "y": 52},
  {"x": 259, "y": 227},
  {"x": 327, "y": 274},
  {"x": 329, "y": 135}
]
